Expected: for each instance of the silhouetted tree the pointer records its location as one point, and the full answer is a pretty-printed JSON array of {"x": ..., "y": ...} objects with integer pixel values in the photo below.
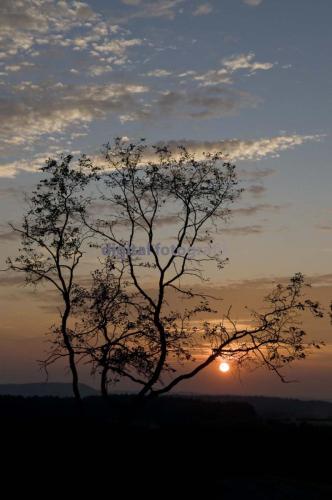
[
  {"x": 52, "y": 239},
  {"x": 146, "y": 187},
  {"x": 105, "y": 334},
  {"x": 275, "y": 339},
  {"x": 122, "y": 323}
]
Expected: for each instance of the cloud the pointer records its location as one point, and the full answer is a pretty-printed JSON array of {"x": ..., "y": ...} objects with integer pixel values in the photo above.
[
  {"x": 254, "y": 209},
  {"x": 256, "y": 174},
  {"x": 132, "y": 2},
  {"x": 245, "y": 61},
  {"x": 204, "y": 103},
  {"x": 214, "y": 77},
  {"x": 203, "y": 10},
  {"x": 9, "y": 236},
  {"x": 158, "y": 73},
  {"x": 10, "y": 191},
  {"x": 97, "y": 101},
  {"x": 229, "y": 66},
  {"x": 11, "y": 169},
  {"x": 256, "y": 190},
  {"x": 322, "y": 279},
  {"x": 151, "y": 8},
  {"x": 28, "y": 28},
  {"x": 12, "y": 67},
  {"x": 244, "y": 230},
  {"x": 23, "y": 24},
  {"x": 36, "y": 110},
  {"x": 100, "y": 70},
  {"x": 250, "y": 149},
  {"x": 253, "y": 3},
  {"x": 269, "y": 147},
  {"x": 11, "y": 280},
  {"x": 117, "y": 46}
]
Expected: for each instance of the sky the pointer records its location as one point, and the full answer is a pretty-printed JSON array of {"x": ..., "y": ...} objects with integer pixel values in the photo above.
[{"x": 249, "y": 77}]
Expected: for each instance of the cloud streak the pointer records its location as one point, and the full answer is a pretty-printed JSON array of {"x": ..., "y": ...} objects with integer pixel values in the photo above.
[
  {"x": 236, "y": 149},
  {"x": 244, "y": 230},
  {"x": 150, "y": 9},
  {"x": 250, "y": 149}
]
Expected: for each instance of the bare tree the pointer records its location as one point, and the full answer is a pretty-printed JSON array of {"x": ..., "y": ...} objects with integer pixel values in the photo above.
[{"x": 52, "y": 239}]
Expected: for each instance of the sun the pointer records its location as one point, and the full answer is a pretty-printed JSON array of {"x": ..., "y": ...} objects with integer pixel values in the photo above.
[{"x": 224, "y": 367}]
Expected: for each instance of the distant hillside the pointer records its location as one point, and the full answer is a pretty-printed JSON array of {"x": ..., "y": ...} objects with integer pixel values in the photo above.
[
  {"x": 262, "y": 406},
  {"x": 270, "y": 407},
  {"x": 61, "y": 390}
]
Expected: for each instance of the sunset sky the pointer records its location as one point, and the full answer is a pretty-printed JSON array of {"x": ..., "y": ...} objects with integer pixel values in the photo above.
[{"x": 251, "y": 78}]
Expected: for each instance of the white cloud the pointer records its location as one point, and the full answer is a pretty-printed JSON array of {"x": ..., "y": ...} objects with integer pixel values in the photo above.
[
  {"x": 245, "y": 61},
  {"x": 186, "y": 73},
  {"x": 158, "y": 73},
  {"x": 100, "y": 70},
  {"x": 128, "y": 117},
  {"x": 203, "y": 10},
  {"x": 214, "y": 77},
  {"x": 40, "y": 24},
  {"x": 11, "y": 169},
  {"x": 12, "y": 67},
  {"x": 117, "y": 47},
  {"x": 229, "y": 67}
]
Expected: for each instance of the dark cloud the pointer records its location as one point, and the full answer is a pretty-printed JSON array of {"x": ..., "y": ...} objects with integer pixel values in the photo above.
[
  {"x": 254, "y": 209},
  {"x": 9, "y": 236},
  {"x": 256, "y": 190},
  {"x": 244, "y": 230},
  {"x": 256, "y": 174},
  {"x": 204, "y": 103}
]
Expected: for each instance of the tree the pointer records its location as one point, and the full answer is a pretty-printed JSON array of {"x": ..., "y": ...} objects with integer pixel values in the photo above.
[
  {"x": 123, "y": 323},
  {"x": 275, "y": 339},
  {"x": 145, "y": 187},
  {"x": 52, "y": 239},
  {"x": 105, "y": 335}
]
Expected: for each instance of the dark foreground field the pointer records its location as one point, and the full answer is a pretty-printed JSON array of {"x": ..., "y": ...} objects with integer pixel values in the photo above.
[{"x": 172, "y": 446}]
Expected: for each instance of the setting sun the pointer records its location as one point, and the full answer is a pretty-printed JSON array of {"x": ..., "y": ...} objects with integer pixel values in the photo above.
[{"x": 224, "y": 367}]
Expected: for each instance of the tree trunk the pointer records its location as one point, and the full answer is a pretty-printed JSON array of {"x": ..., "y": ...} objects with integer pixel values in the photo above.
[
  {"x": 71, "y": 354},
  {"x": 163, "y": 345},
  {"x": 103, "y": 382}
]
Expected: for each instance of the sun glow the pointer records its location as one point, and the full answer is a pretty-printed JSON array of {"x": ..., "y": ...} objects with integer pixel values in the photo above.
[{"x": 224, "y": 367}]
